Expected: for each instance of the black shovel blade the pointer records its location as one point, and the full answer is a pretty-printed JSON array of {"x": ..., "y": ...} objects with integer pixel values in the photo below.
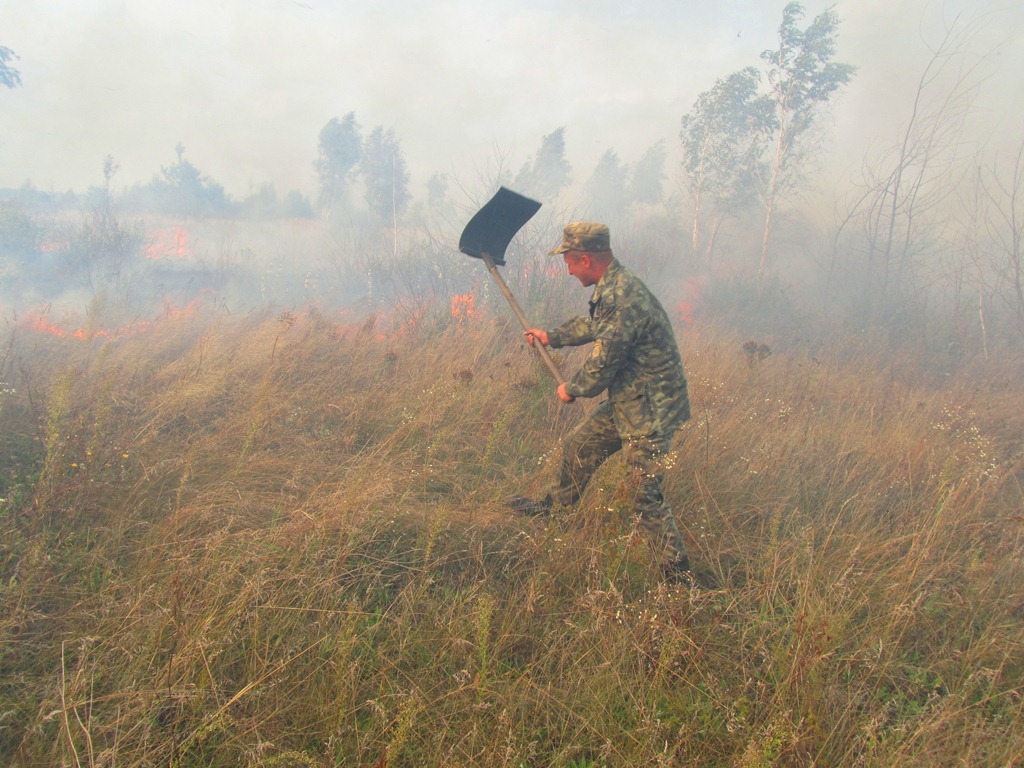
[{"x": 492, "y": 227}]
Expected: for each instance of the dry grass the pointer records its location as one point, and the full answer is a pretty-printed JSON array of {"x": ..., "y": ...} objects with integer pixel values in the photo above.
[{"x": 281, "y": 541}]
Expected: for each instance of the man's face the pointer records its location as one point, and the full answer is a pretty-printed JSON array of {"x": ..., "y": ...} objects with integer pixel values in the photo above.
[{"x": 580, "y": 266}]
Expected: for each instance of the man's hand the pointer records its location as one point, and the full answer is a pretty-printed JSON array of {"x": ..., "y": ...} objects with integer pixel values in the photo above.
[
  {"x": 536, "y": 334},
  {"x": 564, "y": 396}
]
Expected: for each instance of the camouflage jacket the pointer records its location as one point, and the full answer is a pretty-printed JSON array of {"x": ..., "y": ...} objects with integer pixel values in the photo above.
[{"x": 635, "y": 356}]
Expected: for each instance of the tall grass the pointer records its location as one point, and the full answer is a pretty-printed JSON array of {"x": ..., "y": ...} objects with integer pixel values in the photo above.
[{"x": 280, "y": 540}]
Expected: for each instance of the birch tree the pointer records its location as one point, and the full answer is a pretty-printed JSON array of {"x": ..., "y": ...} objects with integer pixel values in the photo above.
[
  {"x": 9, "y": 76},
  {"x": 722, "y": 141},
  {"x": 386, "y": 175},
  {"x": 801, "y": 78}
]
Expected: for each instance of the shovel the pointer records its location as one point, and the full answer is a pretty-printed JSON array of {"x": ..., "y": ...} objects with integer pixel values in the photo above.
[{"x": 487, "y": 236}]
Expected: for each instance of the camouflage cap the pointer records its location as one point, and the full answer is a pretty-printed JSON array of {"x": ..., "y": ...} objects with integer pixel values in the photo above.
[{"x": 586, "y": 236}]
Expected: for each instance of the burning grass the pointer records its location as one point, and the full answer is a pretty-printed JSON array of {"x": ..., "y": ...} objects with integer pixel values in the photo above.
[{"x": 280, "y": 541}]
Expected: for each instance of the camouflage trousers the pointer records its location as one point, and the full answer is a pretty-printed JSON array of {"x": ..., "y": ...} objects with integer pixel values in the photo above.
[{"x": 597, "y": 439}]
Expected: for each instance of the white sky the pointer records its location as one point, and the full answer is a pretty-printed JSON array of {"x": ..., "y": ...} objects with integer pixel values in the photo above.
[{"x": 246, "y": 85}]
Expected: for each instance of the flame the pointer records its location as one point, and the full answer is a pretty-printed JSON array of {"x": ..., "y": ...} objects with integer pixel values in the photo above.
[
  {"x": 171, "y": 244},
  {"x": 42, "y": 325},
  {"x": 687, "y": 305},
  {"x": 685, "y": 311},
  {"x": 464, "y": 307},
  {"x": 378, "y": 325},
  {"x": 170, "y": 312}
]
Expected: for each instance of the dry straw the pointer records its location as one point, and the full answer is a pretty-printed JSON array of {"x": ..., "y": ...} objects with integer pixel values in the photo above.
[{"x": 281, "y": 541}]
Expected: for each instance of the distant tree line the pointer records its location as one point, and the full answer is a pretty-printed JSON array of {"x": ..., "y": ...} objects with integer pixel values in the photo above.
[{"x": 181, "y": 189}]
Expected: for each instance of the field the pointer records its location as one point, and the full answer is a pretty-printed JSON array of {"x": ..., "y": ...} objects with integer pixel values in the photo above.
[{"x": 278, "y": 538}]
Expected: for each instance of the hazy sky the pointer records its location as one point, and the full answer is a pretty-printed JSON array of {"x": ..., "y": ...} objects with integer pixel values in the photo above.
[{"x": 246, "y": 85}]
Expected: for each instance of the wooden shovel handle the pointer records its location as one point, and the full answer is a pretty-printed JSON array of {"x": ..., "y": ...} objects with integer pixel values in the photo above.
[{"x": 541, "y": 349}]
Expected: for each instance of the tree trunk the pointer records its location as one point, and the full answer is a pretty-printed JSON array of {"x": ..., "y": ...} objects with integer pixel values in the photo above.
[
  {"x": 714, "y": 236},
  {"x": 770, "y": 197},
  {"x": 782, "y": 111},
  {"x": 696, "y": 220}
]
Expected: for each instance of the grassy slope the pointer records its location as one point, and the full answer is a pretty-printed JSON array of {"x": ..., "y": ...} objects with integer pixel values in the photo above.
[{"x": 280, "y": 542}]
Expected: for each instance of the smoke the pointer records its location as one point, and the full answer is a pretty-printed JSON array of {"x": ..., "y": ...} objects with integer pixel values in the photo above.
[{"x": 246, "y": 86}]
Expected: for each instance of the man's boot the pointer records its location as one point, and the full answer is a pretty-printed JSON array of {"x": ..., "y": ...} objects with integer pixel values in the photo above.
[
  {"x": 531, "y": 507},
  {"x": 678, "y": 571}
]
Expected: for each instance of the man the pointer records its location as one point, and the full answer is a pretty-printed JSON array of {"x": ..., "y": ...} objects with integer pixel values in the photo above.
[{"x": 635, "y": 358}]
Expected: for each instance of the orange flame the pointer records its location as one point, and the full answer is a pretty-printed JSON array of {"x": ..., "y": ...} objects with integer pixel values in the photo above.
[
  {"x": 687, "y": 305},
  {"x": 464, "y": 306},
  {"x": 172, "y": 244},
  {"x": 42, "y": 325}
]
